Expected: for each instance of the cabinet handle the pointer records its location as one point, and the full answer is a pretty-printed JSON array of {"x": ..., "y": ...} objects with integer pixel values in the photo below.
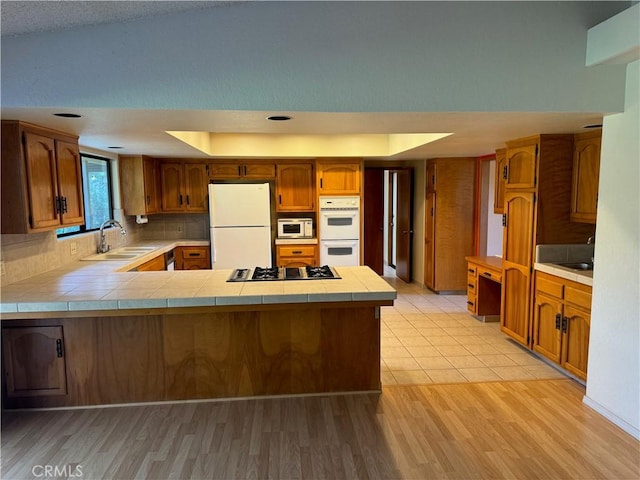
[
  {"x": 64, "y": 205},
  {"x": 148, "y": 200},
  {"x": 57, "y": 208},
  {"x": 180, "y": 199},
  {"x": 504, "y": 219},
  {"x": 59, "y": 348},
  {"x": 296, "y": 252},
  {"x": 188, "y": 201},
  {"x": 470, "y": 285},
  {"x": 321, "y": 183},
  {"x": 565, "y": 322},
  {"x": 280, "y": 199},
  {"x": 433, "y": 180},
  {"x": 245, "y": 170},
  {"x": 486, "y": 274},
  {"x": 470, "y": 270},
  {"x": 505, "y": 173},
  {"x": 558, "y": 320},
  {"x": 470, "y": 303},
  {"x": 194, "y": 254}
]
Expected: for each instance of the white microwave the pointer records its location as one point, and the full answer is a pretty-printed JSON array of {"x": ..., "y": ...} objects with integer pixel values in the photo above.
[{"x": 295, "y": 228}]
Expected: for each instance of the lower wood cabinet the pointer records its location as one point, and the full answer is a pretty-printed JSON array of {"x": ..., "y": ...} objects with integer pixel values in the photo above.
[
  {"x": 484, "y": 276},
  {"x": 296, "y": 255},
  {"x": 561, "y": 322},
  {"x": 34, "y": 361},
  {"x": 192, "y": 258},
  {"x": 156, "y": 264}
]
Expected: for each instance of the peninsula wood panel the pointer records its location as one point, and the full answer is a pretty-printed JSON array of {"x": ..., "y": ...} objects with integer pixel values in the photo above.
[{"x": 143, "y": 358}]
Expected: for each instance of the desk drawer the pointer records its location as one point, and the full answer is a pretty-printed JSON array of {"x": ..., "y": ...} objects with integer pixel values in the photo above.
[
  {"x": 297, "y": 251},
  {"x": 472, "y": 306},
  {"x": 494, "y": 275},
  {"x": 472, "y": 284},
  {"x": 472, "y": 270}
]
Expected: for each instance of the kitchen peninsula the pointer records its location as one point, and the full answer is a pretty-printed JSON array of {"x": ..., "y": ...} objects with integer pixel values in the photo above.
[{"x": 97, "y": 333}]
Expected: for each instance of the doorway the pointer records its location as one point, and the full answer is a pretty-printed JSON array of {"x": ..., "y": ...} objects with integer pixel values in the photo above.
[{"x": 388, "y": 215}]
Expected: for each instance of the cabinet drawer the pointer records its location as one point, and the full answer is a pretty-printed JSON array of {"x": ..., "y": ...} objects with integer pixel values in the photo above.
[
  {"x": 297, "y": 251},
  {"x": 492, "y": 274},
  {"x": 194, "y": 252},
  {"x": 472, "y": 307},
  {"x": 577, "y": 297},
  {"x": 549, "y": 287},
  {"x": 472, "y": 270},
  {"x": 472, "y": 283}
]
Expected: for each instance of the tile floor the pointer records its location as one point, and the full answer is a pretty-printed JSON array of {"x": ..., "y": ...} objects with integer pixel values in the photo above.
[{"x": 429, "y": 338}]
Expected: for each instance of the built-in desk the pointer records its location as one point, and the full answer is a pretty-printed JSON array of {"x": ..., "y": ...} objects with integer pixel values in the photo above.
[{"x": 484, "y": 280}]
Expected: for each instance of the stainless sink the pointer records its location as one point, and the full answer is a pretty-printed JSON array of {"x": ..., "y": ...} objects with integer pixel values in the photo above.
[
  {"x": 123, "y": 253},
  {"x": 577, "y": 265}
]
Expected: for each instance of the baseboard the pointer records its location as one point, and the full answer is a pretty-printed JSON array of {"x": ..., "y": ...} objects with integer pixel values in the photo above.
[{"x": 612, "y": 417}]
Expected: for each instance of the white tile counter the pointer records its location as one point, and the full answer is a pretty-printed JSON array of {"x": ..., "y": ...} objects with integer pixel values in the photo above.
[
  {"x": 108, "y": 285},
  {"x": 584, "y": 277}
]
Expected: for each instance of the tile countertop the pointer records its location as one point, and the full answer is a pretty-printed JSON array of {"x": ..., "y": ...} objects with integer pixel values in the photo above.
[
  {"x": 109, "y": 285},
  {"x": 585, "y": 277}
]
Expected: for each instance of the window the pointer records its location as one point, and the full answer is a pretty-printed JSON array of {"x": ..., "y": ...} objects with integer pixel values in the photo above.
[{"x": 96, "y": 186}]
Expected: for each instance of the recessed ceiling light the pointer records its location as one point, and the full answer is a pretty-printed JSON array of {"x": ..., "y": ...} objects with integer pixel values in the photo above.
[
  {"x": 67, "y": 115},
  {"x": 115, "y": 148},
  {"x": 279, "y": 118},
  {"x": 595, "y": 125}
]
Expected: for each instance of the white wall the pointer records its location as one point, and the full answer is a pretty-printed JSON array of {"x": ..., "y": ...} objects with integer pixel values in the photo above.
[
  {"x": 323, "y": 57},
  {"x": 613, "y": 385}
]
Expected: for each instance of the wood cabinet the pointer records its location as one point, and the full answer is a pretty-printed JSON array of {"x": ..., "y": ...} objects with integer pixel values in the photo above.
[
  {"x": 449, "y": 223},
  {"x": 192, "y": 258},
  {"x": 156, "y": 264},
  {"x": 295, "y": 187},
  {"x": 34, "y": 361},
  {"x": 339, "y": 176},
  {"x": 183, "y": 187},
  {"x": 586, "y": 175},
  {"x": 139, "y": 184},
  {"x": 536, "y": 211},
  {"x": 296, "y": 255},
  {"x": 41, "y": 179},
  {"x": 484, "y": 275},
  {"x": 500, "y": 173},
  {"x": 561, "y": 323},
  {"x": 240, "y": 169}
]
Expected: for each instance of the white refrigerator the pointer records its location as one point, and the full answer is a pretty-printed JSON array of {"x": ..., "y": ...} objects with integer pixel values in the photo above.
[{"x": 240, "y": 224}]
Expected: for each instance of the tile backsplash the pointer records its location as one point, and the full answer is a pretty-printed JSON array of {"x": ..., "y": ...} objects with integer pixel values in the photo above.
[
  {"x": 32, "y": 254},
  {"x": 564, "y": 253}
]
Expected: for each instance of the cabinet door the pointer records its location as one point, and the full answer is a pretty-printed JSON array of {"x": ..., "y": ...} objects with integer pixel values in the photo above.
[
  {"x": 517, "y": 246},
  {"x": 584, "y": 187},
  {"x": 431, "y": 176},
  {"x": 521, "y": 167},
  {"x": 338, "y": 178},
  {"x": 41, "y": 181},
  {"x": 259, "y": 170},
  {"x": 154, "y": 265},
  {"x": 547, "y": 321},
  {"x": 69, "y": 183},
  {"x": 34, "y": 362},
  {"x": 196, "y": 182},
  {"x": 220, "y": 170},
  {"x": 171, "y": 185},
  {"x": 516, "y": 292},
  {"x": 294, "y": 187},
  {"x": 429, "y": 240},
  {"x": 500, "y": 174},
  {"x": 575, "y": 341},
  {"x": 150, "y": 174}
]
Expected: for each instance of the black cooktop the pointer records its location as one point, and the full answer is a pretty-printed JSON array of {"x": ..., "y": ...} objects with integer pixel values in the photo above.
[{"x": 282, "y": 273}]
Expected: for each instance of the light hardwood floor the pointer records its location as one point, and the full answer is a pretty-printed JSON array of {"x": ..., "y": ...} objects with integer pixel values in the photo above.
[{"x": 537, "y": 429}]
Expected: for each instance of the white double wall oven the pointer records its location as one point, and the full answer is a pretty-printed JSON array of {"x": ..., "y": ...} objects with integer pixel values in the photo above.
[{"x": 339, "y": 219}]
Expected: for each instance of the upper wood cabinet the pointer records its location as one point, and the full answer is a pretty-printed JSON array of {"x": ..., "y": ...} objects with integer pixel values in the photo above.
[
  {"x": 183, "y": 186},
  {"x": 536, "y": 211},
  {"x": 586, "y": 175},
  {"x": 294, "y": 187},
  {"x": 240, "y": 169},
  {"x": 34, "y": 361},
  {"x": 501, "y": 165},
  {"x": 139, "y": 184},
  {"x": 41, "y": 179},
  {"x": 339, "y": 176},
  {"x": 449, "y": 223}
]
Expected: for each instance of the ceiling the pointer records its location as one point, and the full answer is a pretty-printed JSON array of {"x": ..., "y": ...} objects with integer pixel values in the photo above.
[{"x": 370, "y": 135}]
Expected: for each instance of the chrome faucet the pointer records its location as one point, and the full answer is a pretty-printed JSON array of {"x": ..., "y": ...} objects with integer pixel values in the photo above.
[
  {"x": 591, "y": 240},
  {"x": 104, "y": 248}
]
